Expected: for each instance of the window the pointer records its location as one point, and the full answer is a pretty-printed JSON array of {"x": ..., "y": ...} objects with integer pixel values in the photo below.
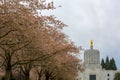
[
  {"x": 108, "y": 74},
  {"x": 108, "y": 79},
  {"x": 92, "y": 77}
]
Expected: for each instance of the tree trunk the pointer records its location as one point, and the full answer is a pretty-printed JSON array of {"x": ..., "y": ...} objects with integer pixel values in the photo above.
[
  {"x": 39, "y": 77},
  {"x": 47, "y": 76},
  {"x": 8, "y": 75},
  {"x": 39, "y": 74},
  {"x": 27, "y": 76}
]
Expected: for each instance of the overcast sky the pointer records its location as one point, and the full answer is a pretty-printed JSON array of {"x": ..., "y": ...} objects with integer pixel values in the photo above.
[{"x": 98, "y": 20}]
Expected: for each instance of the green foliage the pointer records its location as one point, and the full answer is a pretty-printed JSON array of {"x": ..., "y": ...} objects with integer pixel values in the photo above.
[
  {"x": 112, "y": 64},
  {"x": 109, "y": 64},
  {"x": 117, "y": 76},
  {"x": 103, "y": 63}
]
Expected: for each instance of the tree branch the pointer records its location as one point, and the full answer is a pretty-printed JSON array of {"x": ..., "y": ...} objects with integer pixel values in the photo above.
[
  {"x": 15, "y": 50},
  {"x": 2, "y": 36}
]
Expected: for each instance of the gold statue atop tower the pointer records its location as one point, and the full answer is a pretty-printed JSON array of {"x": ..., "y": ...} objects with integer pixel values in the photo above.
[{"x": 91, "y": 44}]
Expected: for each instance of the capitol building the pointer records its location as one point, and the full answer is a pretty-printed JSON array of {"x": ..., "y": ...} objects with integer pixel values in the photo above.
[{"x": 93, "y": 69}]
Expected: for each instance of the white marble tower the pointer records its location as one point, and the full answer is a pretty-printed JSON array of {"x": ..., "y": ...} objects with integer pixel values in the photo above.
[{"x": 92, "y": 57}]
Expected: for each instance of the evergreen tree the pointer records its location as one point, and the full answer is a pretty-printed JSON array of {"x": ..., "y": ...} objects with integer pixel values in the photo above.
[
  {"x": 113, "y": 64},
  {"x": 107, "y": 66},
  {"x": 103, "y": 63}
]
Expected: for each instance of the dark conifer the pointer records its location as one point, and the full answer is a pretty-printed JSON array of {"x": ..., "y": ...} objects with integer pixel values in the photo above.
[
  {"x": 103, "y": 63},
  {"x": 113, "y": 64},
  {"x": 107, "y": 66}
]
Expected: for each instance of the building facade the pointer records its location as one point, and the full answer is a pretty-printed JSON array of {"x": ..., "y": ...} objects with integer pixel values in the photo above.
[{"x": 93, "y": 69}]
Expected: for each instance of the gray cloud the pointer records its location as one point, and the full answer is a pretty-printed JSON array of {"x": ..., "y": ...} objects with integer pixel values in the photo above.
[{"x": 92, "y": 19}]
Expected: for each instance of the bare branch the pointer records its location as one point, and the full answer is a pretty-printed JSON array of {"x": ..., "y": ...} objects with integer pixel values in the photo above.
[
  {"x": 2, "y": 27},
  {"x": 15, "y": 50},
  {"x": 1, "y": 65},
  {"x": 2, "y": 36}
]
